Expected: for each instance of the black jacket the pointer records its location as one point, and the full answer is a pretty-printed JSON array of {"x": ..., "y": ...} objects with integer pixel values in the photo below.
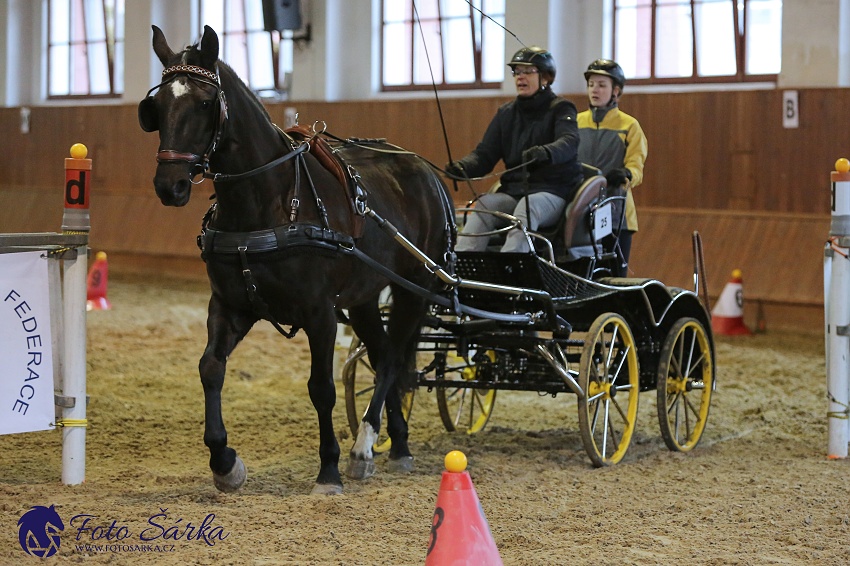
[{"x": 543, "y": 119}]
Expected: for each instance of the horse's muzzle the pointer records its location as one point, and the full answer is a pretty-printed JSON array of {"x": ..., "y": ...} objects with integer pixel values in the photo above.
[{"x": 173, "y": 185}]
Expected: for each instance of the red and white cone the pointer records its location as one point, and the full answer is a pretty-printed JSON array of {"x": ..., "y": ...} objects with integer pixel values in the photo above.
[
  {"x": 727, "y": 317},
  {"x": 460, "y": 534},
  {"x": 96, "y": 284}
]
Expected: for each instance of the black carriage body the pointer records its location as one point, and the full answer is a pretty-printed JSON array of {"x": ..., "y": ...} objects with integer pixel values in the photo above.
[
  {"x": 519, "y": 322},
  {"x": 649, "y": 307}
]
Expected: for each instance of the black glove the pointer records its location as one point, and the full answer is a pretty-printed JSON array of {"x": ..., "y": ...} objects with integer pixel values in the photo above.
[
  {"x": 455, "y": 169},
  {"x": 618, "y": 177},
  {"x": 537, "y": 154}
]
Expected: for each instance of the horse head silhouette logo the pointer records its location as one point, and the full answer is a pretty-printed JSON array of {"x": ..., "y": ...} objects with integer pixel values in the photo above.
[{"x": 38, "y": 531}]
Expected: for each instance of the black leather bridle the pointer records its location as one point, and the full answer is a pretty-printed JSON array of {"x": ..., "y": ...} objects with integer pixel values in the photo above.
[{"x": 149, "y": 119}]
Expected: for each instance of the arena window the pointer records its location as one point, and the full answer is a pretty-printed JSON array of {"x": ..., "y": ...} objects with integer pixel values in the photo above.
[
  {"x": 463, "y": 48},
  {"x": 261, "y": 58},
  {"x": 691, "y": 41},
  {"x": 85, "y": 48}
]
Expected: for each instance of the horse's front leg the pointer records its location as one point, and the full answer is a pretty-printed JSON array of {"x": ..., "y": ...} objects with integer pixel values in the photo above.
[
  {"x": 322, "y": 336},
  {"x": 224, "y": 331}
]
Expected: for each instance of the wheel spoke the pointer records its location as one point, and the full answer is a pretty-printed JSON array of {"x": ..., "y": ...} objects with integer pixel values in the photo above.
[
  {"x": 693, "y": 367},
  {"x": 615, "y": 440},
  {"x": 673, "y": 402},
  {"x": 623, "y": 359},
  {"x": 691, "y": 406},
  {"x": 365, "y": 391},
  {"x": 611, "y": 346},
  {"x": 605, "y": 432},
  {"x": 461, "y": 404},
  {"x": 595, "y": 417},
  {"x": 675, "y": 364},
  {"x": 620, "y": 410}
]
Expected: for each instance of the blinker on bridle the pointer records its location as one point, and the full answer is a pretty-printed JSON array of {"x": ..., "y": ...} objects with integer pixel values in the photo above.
[{"x": 148, "y": 118}]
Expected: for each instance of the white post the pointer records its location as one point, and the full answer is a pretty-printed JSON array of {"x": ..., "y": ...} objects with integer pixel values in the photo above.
[
  {"x": 74, "y": 381},
  {"x": 837, "y": 315},
  {"x": 75, "y": 219}
]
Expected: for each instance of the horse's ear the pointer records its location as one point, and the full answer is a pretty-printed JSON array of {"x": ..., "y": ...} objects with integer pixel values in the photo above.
[
  {"x": 160, "y": 46},
  {"x": 209, "y": 48}
]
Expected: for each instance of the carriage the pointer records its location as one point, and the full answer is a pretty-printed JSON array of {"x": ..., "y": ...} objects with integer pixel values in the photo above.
[
  {"x": 298, "y": 234},
  {"x": 554, "y": 321}
]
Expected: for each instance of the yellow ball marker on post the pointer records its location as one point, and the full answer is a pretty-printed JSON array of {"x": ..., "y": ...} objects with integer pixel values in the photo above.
[{"x": 79, "y": 151}]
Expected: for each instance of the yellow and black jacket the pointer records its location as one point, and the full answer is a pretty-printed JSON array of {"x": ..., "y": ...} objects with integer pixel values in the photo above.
[{"x": 611, "y": 139}]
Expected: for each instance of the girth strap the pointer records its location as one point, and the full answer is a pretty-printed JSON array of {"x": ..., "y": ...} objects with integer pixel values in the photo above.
[{"x": 260, "y": 307}]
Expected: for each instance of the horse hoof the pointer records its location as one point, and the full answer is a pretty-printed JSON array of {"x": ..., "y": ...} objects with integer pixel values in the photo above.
[
  {"x": 360, "y": 469},
  {"x": 232, "y": 480},
  {"x": 401, "y": 465},
  {"x": 326, "y": 489}
]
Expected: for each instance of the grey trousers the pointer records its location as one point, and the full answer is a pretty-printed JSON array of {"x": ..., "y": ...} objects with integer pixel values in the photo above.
[{"x": 543, "y": 207}]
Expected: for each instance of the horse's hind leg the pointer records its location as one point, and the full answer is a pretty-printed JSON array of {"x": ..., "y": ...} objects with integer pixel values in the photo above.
[
  {"x": 403, "y": 331},
  {"x": 367, "y": 324},
  {"x": 389, "y": 353},
  {"x": 224, "y": 331}
]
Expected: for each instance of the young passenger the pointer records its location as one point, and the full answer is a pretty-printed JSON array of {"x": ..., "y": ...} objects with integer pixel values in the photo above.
[
  {"x": 537, "y": 128},
  {"x": 613, "y": 141}
]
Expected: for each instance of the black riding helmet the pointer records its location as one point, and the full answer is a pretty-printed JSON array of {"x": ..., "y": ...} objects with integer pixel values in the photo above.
[
  {"x": 535, "y": 57},
  {"x": 608, "y": 68}
]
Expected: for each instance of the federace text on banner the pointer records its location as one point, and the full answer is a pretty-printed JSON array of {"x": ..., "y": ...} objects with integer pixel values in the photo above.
[{"x": 34, "y": 349}]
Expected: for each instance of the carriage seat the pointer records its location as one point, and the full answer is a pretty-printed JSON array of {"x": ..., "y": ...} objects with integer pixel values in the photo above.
[{"x": 572, "y": 237}]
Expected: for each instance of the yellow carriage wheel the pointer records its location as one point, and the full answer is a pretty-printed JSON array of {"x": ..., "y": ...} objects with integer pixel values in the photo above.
[
  {"x": 465, "y": 408},
  {"x": 609, "y": 378},
  {"x": 685, "y": 381},
  {"x": 358, "y": 378}
]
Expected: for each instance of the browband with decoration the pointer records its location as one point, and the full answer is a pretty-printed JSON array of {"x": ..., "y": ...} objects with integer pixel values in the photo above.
[{"x": 191, "y": 69}]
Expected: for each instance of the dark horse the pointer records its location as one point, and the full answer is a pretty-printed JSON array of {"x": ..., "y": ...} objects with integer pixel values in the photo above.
[{"x": 279, "y": 245}]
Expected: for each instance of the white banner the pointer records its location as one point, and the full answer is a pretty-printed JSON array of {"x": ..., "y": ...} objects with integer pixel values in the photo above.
[{"x": 26, "y": 358}]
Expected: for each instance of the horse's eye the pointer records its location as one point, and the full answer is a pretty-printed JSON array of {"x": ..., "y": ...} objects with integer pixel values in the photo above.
[{"x": 206, "y": 105}]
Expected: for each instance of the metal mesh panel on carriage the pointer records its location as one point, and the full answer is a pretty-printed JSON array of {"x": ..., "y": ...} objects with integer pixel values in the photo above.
[{"x": 520, "y": 270}]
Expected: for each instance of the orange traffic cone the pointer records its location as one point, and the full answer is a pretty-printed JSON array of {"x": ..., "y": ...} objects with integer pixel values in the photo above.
[
  {"x": 96, "y": 284},
  {"x": 460, "y": 534},
  {"x": 727, "y": 317}
]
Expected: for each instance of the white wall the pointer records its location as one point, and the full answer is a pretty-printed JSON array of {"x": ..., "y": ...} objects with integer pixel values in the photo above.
[
  {"x": 810, "y": 43},
  {"x": 844, "y": 43},
  {"x": 340, "y": 63}
]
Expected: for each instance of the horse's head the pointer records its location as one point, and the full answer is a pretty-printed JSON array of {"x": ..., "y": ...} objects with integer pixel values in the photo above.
[{"x": 189, "y": 110}]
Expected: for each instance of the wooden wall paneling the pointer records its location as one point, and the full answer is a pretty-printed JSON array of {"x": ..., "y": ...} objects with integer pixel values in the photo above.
[
  {"x": 717, "y": 159},
  {"x": 781, "y": 255}
]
